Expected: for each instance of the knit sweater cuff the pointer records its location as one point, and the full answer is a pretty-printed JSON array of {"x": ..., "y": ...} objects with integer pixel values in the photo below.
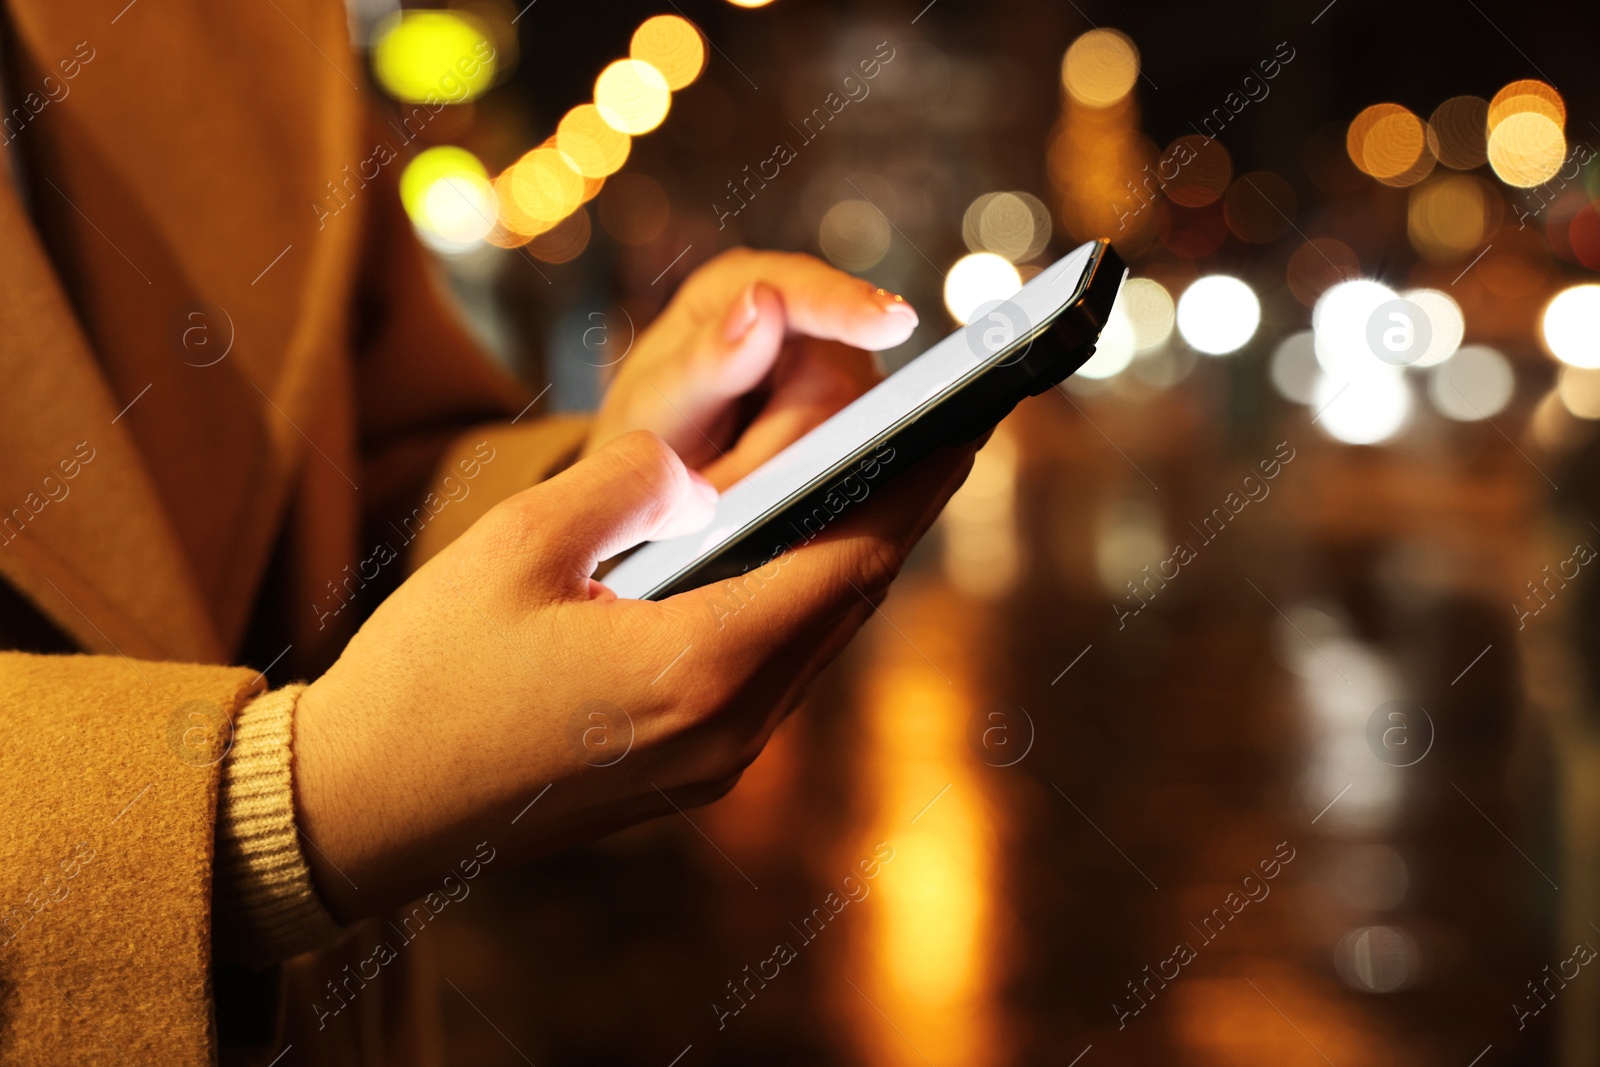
[{"x": 264, "y": 905}]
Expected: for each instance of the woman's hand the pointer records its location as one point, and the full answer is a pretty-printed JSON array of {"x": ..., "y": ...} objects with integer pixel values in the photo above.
[
  {"x": 755, "y": 349},
  {"x": 473, "y": 690}
]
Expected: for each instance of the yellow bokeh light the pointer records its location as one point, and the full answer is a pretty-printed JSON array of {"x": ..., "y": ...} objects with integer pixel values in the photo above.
[
  {"x": 1527, "y": 149},
  {"x": 632, "y": 96},
  {"x": 448, "y": 197},
  {"x": 1447, "y": 217},
  {"x": 429, "y": 167},
  {"x": 433, "y": 57},
  {"x": 1528, "y": 95},
  {"x": 593, "y": 147},
  {"x": 1100, "y": 68},
  {"x": 749, "y": 3},
  {"x": 545, "y": 187},
  {"x": 673, "y": 46}
]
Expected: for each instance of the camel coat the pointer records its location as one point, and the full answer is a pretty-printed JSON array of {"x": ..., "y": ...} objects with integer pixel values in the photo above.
[{"x": 213, "y": 389}]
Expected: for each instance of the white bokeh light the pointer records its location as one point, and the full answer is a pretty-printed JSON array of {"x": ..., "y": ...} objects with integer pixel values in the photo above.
[
  {"x": 976, "y": 280},
  {"x": 1340, "y": 321},
  {"x": 458, "y": 211},
  {"x": 1294, "y": 368},
  {"x": 1218, "y": 314},
  {"x": 1445, "y": 322},
  {"x": 1150, "y": 312},
  {"x": 1365, "y": 408},
  {"x": 1474, "y": 385},
  {"x": 1571, "y": 326}
]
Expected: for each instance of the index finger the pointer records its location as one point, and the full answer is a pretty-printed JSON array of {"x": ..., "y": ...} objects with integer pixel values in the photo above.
[{"x": 824, "y": 302}]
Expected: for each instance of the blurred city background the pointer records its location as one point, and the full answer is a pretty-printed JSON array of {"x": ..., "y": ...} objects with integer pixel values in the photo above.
[{"x": 1240, "y": 710}]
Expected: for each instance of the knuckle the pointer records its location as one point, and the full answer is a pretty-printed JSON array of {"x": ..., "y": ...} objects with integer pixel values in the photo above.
[{"x": 878, "y": 563}]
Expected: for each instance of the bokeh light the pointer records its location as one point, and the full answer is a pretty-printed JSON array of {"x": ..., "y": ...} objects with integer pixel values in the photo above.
[
  {"x": 1100, "y": 68},
  {"x": 446, "y": 193},
  {"x": 1446, "y": 325},
  {"x": 632, "y": 96},
  {"x": 1447, "y": 217},
  {"x": 977, "y": 279},
  {"x": 1015, "y": 225},
  {"x": 1204, "y": 171},
  {"x": 1318, "y": 265},
  {"x": 1377, "y": 959},
  {"x": 545, "y": 186},
  {"x": 671, "y": 45},
  {"x": 1367, "y": 408},
  {"x": 1150, "y": 311},
  {"x": 1341, "y": 320},
  {"x": 1579, "y": 389},
  {"x": 1526, "y": 149},
  {"x": 1474, "y": 385},
  {"x": 439, "y": 55},
  {"x": 1294, "y": 369},
  {"x": 1458, "y": 132},
  {"x": 593, "y": 146},
  {"x": 1390, "y": 143},
  {"x": 854, "y": 235},
  {"x": 564, "y": 241},
  {"x": 1528, "y": 96},
  {"x": 458, "y": 211},
  {"x": 1570, "y": 326},
  {"x": 1218, "y": 314}
]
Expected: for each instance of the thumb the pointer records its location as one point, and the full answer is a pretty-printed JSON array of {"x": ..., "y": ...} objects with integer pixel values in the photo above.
[{"x": 634, "y": 489}]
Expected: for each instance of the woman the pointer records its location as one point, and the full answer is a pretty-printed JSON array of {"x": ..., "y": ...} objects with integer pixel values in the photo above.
[{"x": 226, "y": 412}]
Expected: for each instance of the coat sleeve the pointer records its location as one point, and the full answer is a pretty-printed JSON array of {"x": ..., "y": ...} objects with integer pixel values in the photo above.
[{"x": 108, "y": 783}]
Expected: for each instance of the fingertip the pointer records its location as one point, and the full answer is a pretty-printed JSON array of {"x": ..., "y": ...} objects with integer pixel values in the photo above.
[{"x": 888, "y": 320}]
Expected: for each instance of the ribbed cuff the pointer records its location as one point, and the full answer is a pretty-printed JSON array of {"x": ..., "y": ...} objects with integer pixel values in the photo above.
[{"x": 264, "y": 907}]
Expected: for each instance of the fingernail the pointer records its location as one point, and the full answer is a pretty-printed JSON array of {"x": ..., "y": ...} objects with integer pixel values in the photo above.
[
  {"x": 707, "y": 491},
  {"x": 742, "y": 316},
  {"x": 894, "y": 304}
]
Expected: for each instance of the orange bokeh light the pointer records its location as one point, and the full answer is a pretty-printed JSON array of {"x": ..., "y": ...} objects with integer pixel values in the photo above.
[
  {"x": 1528, "y": 95},
  {"x": 673, "y": 46}
]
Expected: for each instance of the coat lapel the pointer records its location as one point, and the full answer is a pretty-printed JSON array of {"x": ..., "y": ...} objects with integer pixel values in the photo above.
[
  {"x": 82, "y": 534},
  {"x": 192, "y": 292}
]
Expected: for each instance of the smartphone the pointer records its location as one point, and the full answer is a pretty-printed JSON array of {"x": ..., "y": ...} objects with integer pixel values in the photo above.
[{"x": 952, "y": 393}]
